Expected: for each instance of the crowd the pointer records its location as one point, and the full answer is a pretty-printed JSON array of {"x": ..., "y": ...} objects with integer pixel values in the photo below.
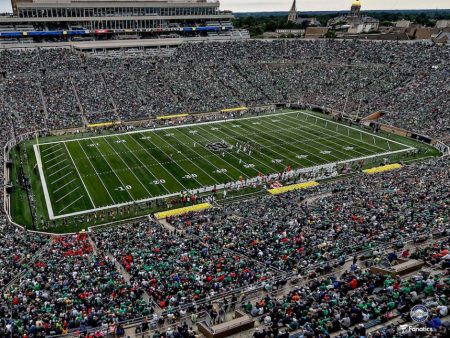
[
  {"x": 69, "y": 288},
  {"x": 63, "y": 284},
  {"x": 361, "y": 213},
  {"x": 60, "y": 88},
  {"x": 355, "y": 304},
  {"x": 178, "y": 270},
  {"x": 17, "y": 249},
  {"x": 136, "y": 268}
]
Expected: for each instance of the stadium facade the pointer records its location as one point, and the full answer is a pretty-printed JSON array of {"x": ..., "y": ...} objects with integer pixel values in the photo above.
[{"x": 60, "y": 19}]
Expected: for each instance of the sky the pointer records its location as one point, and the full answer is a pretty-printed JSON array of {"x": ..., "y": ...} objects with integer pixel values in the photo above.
[
  {"x": 310, "y": 5},
  {"x": 329, "y": 5}
]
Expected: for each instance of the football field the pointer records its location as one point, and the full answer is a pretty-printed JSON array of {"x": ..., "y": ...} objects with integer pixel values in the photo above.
[{"x": 96, "y": 173}]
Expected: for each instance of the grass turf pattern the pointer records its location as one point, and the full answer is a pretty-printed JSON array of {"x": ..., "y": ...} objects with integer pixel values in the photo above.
[{"x": 88, "y": 174}]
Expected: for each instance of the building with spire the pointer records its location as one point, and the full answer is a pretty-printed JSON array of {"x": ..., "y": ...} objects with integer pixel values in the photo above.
[
  {"x": 354, "y": 22},
  {"x": 292, "y": 17}
]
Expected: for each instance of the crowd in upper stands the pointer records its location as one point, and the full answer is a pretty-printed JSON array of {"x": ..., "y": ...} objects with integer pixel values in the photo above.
[{"x": 60, "y": 88}]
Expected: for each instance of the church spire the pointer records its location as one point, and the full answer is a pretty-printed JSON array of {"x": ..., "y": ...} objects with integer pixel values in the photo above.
[{"x": 292, "y": 17}]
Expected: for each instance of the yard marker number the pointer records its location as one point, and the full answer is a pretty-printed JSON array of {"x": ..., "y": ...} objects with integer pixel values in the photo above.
[
  {"x": 125, "y": 188},
  {"x": 190, "y": 176}
]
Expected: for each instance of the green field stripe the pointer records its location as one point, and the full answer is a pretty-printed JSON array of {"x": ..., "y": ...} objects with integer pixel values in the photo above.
[
  {"x": 289, "y": 149},
  {"x": 135, "y": 159},
  {"x": 93, "y": 182},
  {"x": 241, "y": 139},
  {"x": 121, "y": 170},
  {"x": 172, "y": 167},
  {"x": 315, "y": 141},
  {"x": 330, "y": 129},
  {"x": 63, "y": 184},
  {"x": 160, "y": 171},
  {"x": 258, "y": 164},
  {"x": 331, "y": 132},
  {"x": 200, "y": 149},
  {"x": 183, "y": 155},
  {"x": 129, "y": 167},
  {"x": 277, "y": 152},
  {"x": 320, "y": 145},
  {"x": 115, "y": 188},
  {"x": 332, "y": 142},
  {"x": 312, "y": 158}
]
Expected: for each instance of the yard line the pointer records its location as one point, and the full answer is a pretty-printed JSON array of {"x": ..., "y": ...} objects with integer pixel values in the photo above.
[
  {"x": 65, "y": 185},
  {"x": 145, "y": 166},
  {"x": 274, "y": 130},
  {"x": 51, "y": 147},
  {"x": 296, "y": 141},
  {"x": 360, "y": 131},
  {"x": 205, "y": 158},
  {"x": 268, "y": 140},
  {"x": 342, "y": 137},
  {"x": 319, "y": 149},
  {"x": 54, "y": 158},
  {"x": 60, "y": 169},
  {"x": 315, "y": 139},
  {"x": 157, "y": 159},
  {"x": 93, "y": 167},
  {"x": 60, "y": 178},
  {"x": 229, "y": 153},
  {"x": 121, "y": 182},
  {"x": 143, "y": 185},
  {"x": 70, "y": 204},
  {"x": 70, "y": 192},
  {"x": 49, "y": 154},
  {"x": 54, "y": 165},
  {"x": 201, "y": 185},
  {"x": 227, "y": 136}
]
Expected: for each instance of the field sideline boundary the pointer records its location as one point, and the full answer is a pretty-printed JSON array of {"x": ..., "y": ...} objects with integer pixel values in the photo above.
[
  {"x": 203, "y": 189},
  {"x": 43, "y": 181},
  {"x": 221, "y": 186},
  {"x": 216, "y": 122}
]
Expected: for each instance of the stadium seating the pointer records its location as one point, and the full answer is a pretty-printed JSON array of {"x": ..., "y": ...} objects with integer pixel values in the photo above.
[{"x": 153, "y": 275}]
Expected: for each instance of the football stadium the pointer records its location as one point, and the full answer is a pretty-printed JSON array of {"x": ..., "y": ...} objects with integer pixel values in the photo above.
[{"x": 168, "y": 175}]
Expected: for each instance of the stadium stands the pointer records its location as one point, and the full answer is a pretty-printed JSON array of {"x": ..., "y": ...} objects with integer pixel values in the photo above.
[
  {"x": 406, "y": 80},
  {"x": 164, "y": 271}
]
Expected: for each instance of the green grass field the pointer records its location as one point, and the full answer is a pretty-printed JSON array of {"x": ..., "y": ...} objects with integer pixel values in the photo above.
[{"x": 96, "y": 173}]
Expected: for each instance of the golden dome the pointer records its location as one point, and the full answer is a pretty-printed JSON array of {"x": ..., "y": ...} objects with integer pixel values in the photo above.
[{"x": 356, "y": 3}]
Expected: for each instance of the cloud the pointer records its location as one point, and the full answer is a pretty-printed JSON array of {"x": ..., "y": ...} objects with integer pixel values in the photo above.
[
  {"x": 310, "y": 5},
  {"x": 327, "y": 5}
]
